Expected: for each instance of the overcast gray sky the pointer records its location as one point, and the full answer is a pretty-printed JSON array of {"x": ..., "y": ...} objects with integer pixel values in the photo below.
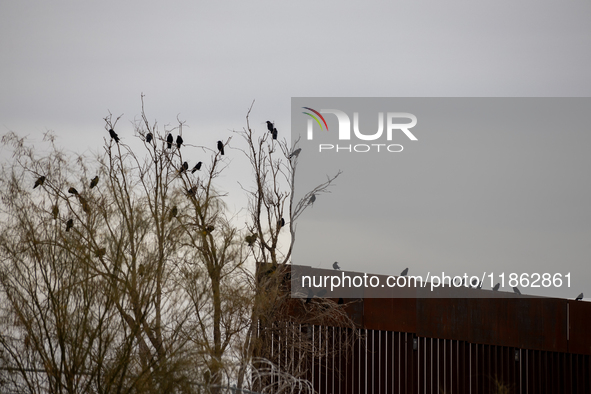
[{"x": 64, "y": 64}]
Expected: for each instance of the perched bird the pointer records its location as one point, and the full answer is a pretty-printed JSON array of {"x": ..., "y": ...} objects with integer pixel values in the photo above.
[
  {"x": 149, "y": 137},
  {"x": 69, "y": 224},
  {"x": 179, "y": 141},
  {"x": 335, "y": 265},
  {"x": 221, "y": 147},
  {"x": 270, "y": 126},
  {"x": 274, "y": 133},
  {"x": 94, "y": 181},
  {"x": 251, "y": 239},
  {"x": 312, "y": 199},
  {"x": 196, "y": 168},
  {"x": 496, "y": 288},
  {"x": 100, "y": 252},
  {"x": 114, "y": 135},
  {"x": 71, "y": 190},
  {"x": 169, "y": 140},
  {"x": 141, "y": 270},
  {"x": 281, "y": 222},
  {"x": 184, "y": 167},
  {"x": 208, "y": 229},
  {"x": 173, "y": 212},
  {"x": 403, "y": 273},
  {"x": 84, "y": 203},
  {"x": 55, "y": 211},
  {"x": 516, "y": 290},
  {"x": 579, "y": 297},
  {"x": 39, "y": 181},
  {"x": 295, "y": 153},
  {"x": 192, "y": 191}
]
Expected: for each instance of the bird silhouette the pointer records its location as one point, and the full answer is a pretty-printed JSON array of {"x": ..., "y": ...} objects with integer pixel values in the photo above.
[
  {"x": 69, "y": 224},
  {"x": 184, "y": 167},
  {"x": 72, "y": 190},
  {"x": 39, "y": 181},
  {"x": 335, "y": 265},
  {"x": 149, "y": 137},
  {"x": 179, "y": 141},
  {"x": 403, "y": 273},
  {"x": 173, "y": 212},
  {"x": 55, "y": 211},
  {"x": 94, "y": 181},
  {"x": 579, "y": 297},
  {"x": 281, "y": 222},
  {"x": 251, "y": 239},
  {"x": 100, "y": 252},
  {"x": 516, "y": 290},
  {"x": 114, "y": 135},
  {"x": 221, "y": 147},
  {"x": 169, "y": 140},
  {"x": 192, "y": 191},
  {"x": 312, "y": 199},
  {"x": 196, "y": 168},
  {"x": 275, "y": 133},
  {"x": 270, "y": 126},
  {"x": 295, "y": 153},
  {"x": 84, "y": 203},
  {"x": 496, "y": 288}
]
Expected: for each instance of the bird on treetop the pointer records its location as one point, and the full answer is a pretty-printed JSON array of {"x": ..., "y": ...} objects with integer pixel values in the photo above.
[
  {"x": 179, "y": 141},
  {"x": 184, "y": 167},
  {"x": 275, "y": 133},
  {"x": 221, "y": 147},
  {"x": 169, "y": 140},
  {"x": 295, "y": 153},
  {"x": 281, "y": 222},
  {"x": 72, "y": 190},
  {"x": 196, "y": 168},
  {"x": 69, "y": 224},
  {"x": 312, "y": 199},
  {"x": 55, "y": 211},
  {"x": 270, "y": 126},
  {"x": 149, "y": 137},
  {"x": 39, "y": 181},
  {"x": 114, "y": 135},
  {"x": 94, "y": 181}
]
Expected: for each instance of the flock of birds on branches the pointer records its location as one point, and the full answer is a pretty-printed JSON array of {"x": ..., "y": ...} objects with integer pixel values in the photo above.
[{"x": 250, "y": 239}]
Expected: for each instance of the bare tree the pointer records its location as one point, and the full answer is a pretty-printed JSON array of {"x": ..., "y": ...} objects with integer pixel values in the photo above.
[{"x": 127, "y": 272}]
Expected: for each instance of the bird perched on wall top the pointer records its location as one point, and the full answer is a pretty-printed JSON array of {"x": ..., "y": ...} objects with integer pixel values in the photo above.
[
  {"x": 169, "y": 140},
  {"x": 403, "y": 273},
  {"x": 516, "y": 290},
  {"x": 221, "y": 147},
  {"x": 94, "y": 181},
  {"x": 39, "y": 181},
  {"x": 579, "y": 297},
  {"x": 496, "y": 288},
  {"x": 179, "y": 141},
  {"x": 335, "y": 265},
  {"x": 114, "y": 135}
]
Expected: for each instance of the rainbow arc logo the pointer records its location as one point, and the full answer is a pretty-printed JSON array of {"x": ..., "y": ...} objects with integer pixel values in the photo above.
[{"x": 315, "y": 118}]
